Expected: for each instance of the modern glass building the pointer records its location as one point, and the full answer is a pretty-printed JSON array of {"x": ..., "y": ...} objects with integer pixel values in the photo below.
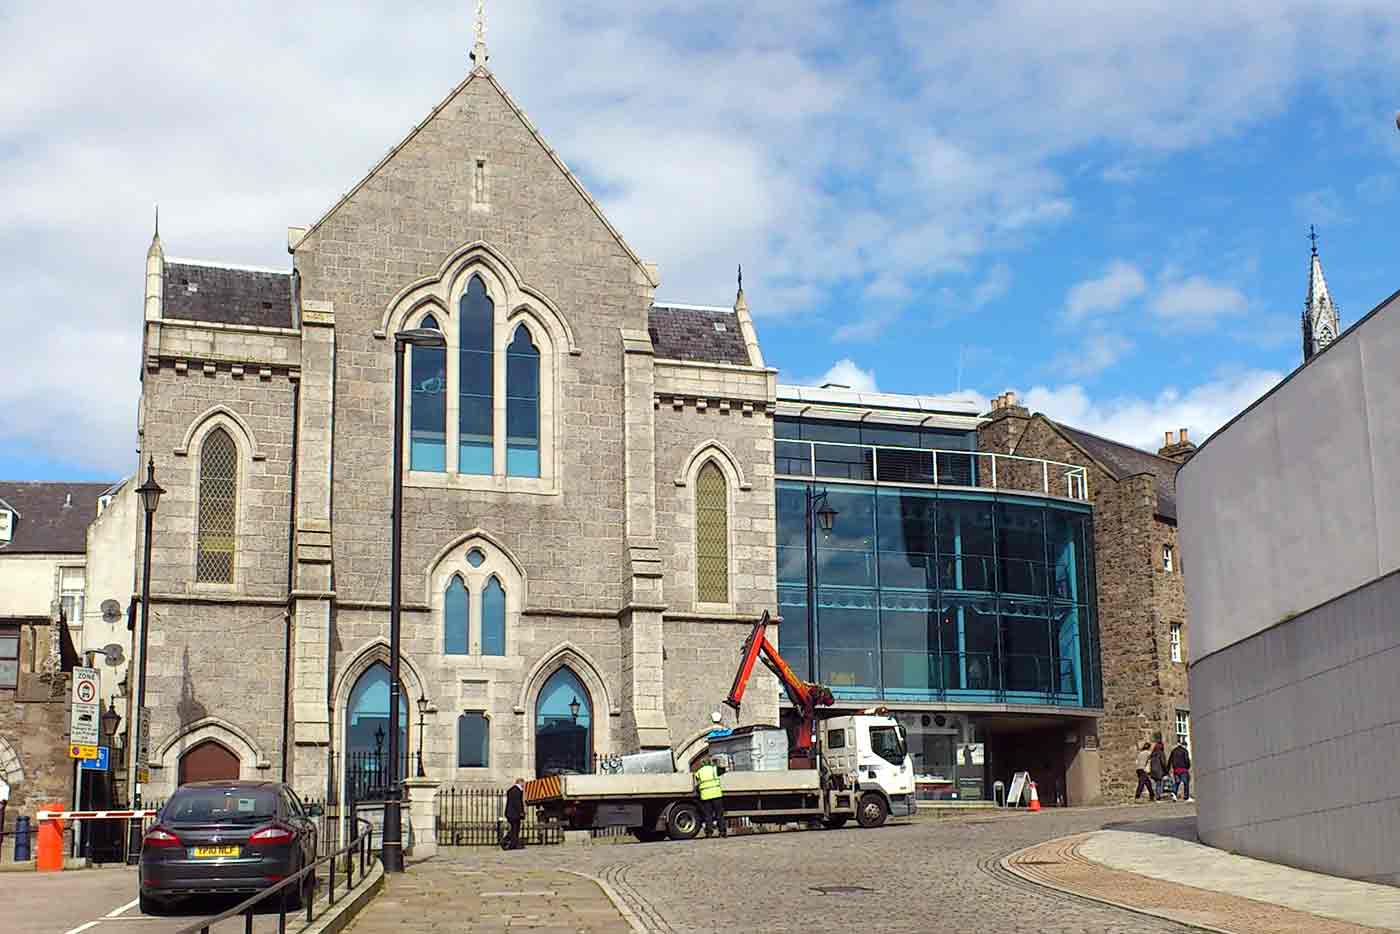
[{"x": 953, "y": 586}]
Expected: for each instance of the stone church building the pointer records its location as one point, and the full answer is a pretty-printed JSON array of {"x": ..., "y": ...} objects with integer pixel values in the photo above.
[{"x": 588, "y": 481}]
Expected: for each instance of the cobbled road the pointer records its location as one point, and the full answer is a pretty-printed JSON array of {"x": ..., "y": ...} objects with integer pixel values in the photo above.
[{"x": 928, "y": 874}]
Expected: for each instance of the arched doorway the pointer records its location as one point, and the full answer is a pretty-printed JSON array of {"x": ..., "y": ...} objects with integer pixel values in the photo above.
[
  {"x": 563, "y": 726},
  {"x": 208, "y": 761},
  {"x": 367, "y": 736}
]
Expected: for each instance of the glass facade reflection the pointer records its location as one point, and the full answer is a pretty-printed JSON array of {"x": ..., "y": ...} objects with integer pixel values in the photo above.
[{"x": 941, "y": 595}]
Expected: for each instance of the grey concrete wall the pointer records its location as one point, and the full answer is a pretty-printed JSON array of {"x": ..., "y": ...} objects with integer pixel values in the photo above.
[
  {"x": 1297, "y": 739},
  {"x": 1298, "y": 500}
]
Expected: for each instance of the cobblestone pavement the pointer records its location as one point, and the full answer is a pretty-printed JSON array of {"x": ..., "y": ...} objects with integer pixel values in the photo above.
[
  {"x": 1154, "y": 872},
  {"x": 932, "y": 873},
  {"x": 444, "y": 895}
]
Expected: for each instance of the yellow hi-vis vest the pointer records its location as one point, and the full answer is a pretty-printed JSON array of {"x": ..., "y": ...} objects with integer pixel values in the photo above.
[{"x": 707, "y": 781}]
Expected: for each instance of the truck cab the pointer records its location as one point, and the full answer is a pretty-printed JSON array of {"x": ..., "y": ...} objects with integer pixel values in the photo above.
[{"x": 869, "y": 753}]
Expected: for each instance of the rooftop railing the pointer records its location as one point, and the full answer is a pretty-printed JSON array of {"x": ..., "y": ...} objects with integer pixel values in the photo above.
[{"x": 869, "y": 463}]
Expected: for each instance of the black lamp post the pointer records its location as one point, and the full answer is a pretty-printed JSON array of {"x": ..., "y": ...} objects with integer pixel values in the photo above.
[
  {"x": 422, "y": 717},
  {"x": 391, "y": 857},
  {"x": 150, "y": 493},
  {"x": 110, "y": 719},
  {"x": 574, "y": 706},
  {"x": 819, "y": 513}
]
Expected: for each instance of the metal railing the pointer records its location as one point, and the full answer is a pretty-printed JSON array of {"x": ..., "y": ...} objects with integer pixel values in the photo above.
[
  {"x": 930, "y": 466},
  {"x": 357, "y": 847},
  {"x": 476, "y": 817}
]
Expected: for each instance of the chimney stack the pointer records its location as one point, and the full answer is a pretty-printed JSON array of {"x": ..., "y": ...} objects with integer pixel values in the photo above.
[{"x": 1177, "y": 447}]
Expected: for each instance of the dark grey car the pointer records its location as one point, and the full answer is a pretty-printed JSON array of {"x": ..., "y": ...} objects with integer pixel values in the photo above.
[{"x": 226, "y": 837}]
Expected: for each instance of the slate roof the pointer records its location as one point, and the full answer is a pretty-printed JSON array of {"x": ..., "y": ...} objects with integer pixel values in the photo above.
[
  {"x": 692, "y": 332},
  {"x": 1124, "y": 460},
  {"x": 44, "y": 525},
  {"x": 227, "y": 294}
]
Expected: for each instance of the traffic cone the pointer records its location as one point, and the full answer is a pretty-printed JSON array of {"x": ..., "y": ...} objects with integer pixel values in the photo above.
[{"x": 1035, "y": 799}]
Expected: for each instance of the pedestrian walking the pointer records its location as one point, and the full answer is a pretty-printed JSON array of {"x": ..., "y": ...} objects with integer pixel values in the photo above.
[
  {"x": 1144, "y": 759},
  {"x": 1157, "y": 767},
  {"x": 1180, "y": 764},
  {"x": 711, "y": 795},
  {"x": 515, "y": 813}
]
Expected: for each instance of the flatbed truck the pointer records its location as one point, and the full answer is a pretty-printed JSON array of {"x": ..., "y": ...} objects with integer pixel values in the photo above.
[{"x": 841, "y": 768}]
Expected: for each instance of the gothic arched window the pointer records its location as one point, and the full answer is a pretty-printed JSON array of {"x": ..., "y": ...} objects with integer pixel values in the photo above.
[
  {"x": 456, "y": 606},
  {"x": 711, "y": 536},
  {"x": 522, "y": 406},
  {"x": 218, "y": 505},
  {"x": 428, "y": 406},
  {"x": 493, "y": 618},
  {"x": 476, "y": 379}
]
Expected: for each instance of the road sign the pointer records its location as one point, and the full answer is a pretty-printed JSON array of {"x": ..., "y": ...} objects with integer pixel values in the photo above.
[
  {"x": 142, "y": 775},
  {"x": 85, "y": 681},
  {"x": 83, "y": 725},
  {"x": 143, "y": 745},
  {"x": 100, "y": 763},
  {"x": 82, "y": 751}
]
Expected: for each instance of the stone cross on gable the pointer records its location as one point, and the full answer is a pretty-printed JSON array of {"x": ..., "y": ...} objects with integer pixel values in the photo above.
[{"x": 479, "y": 55}]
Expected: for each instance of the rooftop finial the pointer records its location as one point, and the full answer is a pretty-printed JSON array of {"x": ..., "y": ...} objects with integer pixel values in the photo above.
[
  {"x": 479, "y": 55},
  {"x": 1312, "y": 235},
  {"x": 741, "y": 277},
  {"x": 157, "y": 221}
]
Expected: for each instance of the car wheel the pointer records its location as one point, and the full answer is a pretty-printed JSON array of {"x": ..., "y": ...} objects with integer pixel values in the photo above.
[
  {"x": 872, "y": 810},
  {"x": 684, "y": 822},
  {"x": 150, "y": 905}
]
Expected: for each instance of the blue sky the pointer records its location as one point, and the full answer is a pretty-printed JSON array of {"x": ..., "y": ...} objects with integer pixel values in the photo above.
[{"x": 1103, "y": 206}]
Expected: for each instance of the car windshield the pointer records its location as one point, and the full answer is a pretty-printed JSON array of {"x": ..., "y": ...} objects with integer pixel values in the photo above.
[
  {"x": 221, "y": 805},
  {"x": 886, "y": 743}
]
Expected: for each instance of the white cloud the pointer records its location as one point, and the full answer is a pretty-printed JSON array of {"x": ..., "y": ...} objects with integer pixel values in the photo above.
[
  {"x": 1321, "y": 206},
  {"x": 1120, "y": 283},
  {"x": 846, "y": 372},
  {"x": 1099, "y": 352},
  {"x": 1196, "y": 302},
  {"x": 1141, "y": 421}
]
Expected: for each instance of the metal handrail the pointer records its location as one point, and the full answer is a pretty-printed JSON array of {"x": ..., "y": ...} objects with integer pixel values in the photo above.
[
  {"x": 245, "y": 907},
  {"x": 1074, "y": 477}
]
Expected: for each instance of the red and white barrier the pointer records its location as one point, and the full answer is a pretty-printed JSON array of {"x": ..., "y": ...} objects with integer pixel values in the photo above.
[{"x": 91, "y": 815}]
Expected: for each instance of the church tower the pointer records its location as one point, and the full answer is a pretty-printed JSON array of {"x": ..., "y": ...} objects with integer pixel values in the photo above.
[{"x": 1320, "y": 323}]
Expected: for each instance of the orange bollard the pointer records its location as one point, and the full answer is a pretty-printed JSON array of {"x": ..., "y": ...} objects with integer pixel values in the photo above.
[
  {"x": 50, "y": 850},
  {"x": 1035, "y": 798}
]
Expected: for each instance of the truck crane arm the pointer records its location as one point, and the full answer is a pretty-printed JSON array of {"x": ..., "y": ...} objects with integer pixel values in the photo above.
[{"x": 806, "y": 696}]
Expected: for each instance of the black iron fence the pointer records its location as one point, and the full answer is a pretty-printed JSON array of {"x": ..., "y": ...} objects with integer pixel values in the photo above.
[
  {"x": 477, "y": 817},
  {"x": 367, "y": 775}
]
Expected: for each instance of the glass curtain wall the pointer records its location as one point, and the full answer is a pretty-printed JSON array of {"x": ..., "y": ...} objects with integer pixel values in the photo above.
[{"x": 925, "y": 595}]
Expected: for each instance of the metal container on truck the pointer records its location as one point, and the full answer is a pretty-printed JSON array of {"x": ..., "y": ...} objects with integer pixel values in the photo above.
[{"x": 754, "y": 748}]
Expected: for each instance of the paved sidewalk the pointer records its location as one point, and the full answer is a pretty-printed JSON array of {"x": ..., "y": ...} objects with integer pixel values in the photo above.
[
  {"x": 441, "y": 896},
  {"x": 1169, "y": 875}
]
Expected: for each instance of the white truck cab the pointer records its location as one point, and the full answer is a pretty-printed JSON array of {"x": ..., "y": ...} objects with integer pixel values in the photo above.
[{"x": 869, "y": 753}]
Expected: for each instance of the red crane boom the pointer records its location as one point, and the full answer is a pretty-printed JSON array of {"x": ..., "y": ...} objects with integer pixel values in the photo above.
[{"x": 806, "y": 696}]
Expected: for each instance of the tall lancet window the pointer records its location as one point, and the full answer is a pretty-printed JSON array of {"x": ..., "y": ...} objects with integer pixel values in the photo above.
[
  {"x": 711, "y": 536},
  {"x": 218, "y": 508},
  {"x": 428, "y": 408},
  {"x": 475, "y": 378},
  {"x": 522, "y": 406},
  {"x": 456, "y": 605},
  {"x": 493, "y": 618}
]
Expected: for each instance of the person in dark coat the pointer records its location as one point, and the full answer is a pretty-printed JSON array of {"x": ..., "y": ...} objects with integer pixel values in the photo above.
[
  {"x": 1157, "y": 767},
  {"x": 515, "y": 813},
  {"x": 1180, "y": 764}
]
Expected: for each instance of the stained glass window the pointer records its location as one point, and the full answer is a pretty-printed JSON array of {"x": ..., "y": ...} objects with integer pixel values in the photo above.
[
  {"x": 711, "y": 536},
  {"x": 218, "y": 502}
]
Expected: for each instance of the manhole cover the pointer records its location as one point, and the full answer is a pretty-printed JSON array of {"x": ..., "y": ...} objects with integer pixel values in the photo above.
[{"x": 841, "y": 889}]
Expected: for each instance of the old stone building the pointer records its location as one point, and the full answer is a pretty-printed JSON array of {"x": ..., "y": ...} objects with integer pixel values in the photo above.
[
  {"x": 1137, "y": 568},
  {"x": 588, "y": 481}
]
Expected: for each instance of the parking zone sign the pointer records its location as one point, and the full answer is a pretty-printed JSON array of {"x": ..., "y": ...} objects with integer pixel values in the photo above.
[{"x": 83, "y": 726}]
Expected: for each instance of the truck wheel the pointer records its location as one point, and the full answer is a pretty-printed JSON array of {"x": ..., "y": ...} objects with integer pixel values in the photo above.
[
  {"x": 835, "y": 823},
  {"x": 684, "y": 822},
  {"x": 872, "y": 810}
]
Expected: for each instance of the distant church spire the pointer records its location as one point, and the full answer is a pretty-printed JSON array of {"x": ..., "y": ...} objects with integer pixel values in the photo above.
[
  {"x": 1320, "y": 322},
  {"x": 479, "y": 55}
]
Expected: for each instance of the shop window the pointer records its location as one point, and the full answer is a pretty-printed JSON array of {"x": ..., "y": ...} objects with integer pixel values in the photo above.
[{"x": 473, "y": 741}]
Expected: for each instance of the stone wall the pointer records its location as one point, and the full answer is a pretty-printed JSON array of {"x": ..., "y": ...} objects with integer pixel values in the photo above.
[{"x": 34, "y": 735}]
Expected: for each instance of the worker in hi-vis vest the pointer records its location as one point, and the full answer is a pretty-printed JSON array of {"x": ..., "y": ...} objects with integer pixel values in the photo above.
[{"x": 711, "y": 797}]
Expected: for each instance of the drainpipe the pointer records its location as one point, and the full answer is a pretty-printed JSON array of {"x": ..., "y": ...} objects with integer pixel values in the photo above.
[{"x": 291, "y": 585}]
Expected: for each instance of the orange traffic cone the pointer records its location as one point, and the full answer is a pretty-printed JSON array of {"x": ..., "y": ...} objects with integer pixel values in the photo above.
[{"x": 1035, "y": 799}]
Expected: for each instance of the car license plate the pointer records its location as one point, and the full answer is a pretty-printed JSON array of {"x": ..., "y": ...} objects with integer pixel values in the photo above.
[{"x": 214, "y": 852}]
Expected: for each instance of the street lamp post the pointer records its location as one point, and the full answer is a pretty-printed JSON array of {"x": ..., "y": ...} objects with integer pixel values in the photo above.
[
  {"x": 422, "y": 718},
  {"x": 818, "y": 512},
  {"x": 150, "y": 493},
  {"x": 391, "y": 857}
]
